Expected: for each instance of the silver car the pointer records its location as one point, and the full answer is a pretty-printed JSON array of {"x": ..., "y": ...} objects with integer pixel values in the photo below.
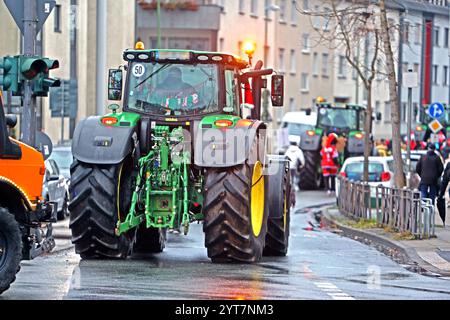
[{"x": 55, "y": 189}]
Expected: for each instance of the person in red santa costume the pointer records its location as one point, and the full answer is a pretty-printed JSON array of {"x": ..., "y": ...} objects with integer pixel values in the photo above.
[{"x": 330, "y": 162}]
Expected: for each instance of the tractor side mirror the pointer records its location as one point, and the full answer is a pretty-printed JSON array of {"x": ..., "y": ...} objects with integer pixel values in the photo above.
[
  {"x": 11, "y": 120},
  {"x": 115, "y": 84},
  {"x": 278, "y": 91}
]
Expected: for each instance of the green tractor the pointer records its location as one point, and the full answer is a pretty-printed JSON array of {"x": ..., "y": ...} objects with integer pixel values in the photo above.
[
  {"x": 347, "y": 122},
  {"x": 188, "y": 146}
]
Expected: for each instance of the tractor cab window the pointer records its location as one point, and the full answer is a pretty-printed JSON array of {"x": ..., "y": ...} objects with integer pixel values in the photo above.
[
  {"x": 339, "y": 119},
  {"x": 173, "y": 89},
  {"x": 232, "y": 92}
]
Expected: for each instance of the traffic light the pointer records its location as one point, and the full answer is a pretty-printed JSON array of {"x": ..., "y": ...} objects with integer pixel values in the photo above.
[
  {"x": 44, "y": 82},
  {"x": 10, "y": 79},
  {"x": 31, "y": 67}
]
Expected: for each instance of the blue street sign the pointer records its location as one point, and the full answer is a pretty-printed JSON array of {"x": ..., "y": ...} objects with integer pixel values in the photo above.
[{"x": 436, "y": 110}]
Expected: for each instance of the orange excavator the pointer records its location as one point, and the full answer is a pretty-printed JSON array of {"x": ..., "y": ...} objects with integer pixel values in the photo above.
[{"x": 25, "y": 219}]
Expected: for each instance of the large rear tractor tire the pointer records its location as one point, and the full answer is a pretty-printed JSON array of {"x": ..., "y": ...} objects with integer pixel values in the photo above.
[
  {"x": 236, "y": 213},
  {"x": 151, "y": 240},
  {"x": 10, "y": 249},
  {"x": 96, "y": 206},
  {"x": 310, "y": 176},
  {"x": 278, "y": 225}
]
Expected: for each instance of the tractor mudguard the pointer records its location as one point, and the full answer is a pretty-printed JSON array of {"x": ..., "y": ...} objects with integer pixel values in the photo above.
[
  {"x": 310, "y": 142},
  {"x": 96, "y": 143},
  {"x": 355, "y": 145},
  {"x": 278, "y": 167},
  {"x": 221, "y": 148}
]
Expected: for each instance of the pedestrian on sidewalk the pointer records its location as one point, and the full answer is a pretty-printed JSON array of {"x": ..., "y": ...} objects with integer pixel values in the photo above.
[
  {"x": 441, "y": 197},
  {"x": 430, "y": 168},
  {"x": 296, "y": 160},
  {"x": 330, "y": 162}
]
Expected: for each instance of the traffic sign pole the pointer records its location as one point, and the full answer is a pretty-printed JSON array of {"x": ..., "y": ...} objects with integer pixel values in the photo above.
[{"x": 29, "y": 101}]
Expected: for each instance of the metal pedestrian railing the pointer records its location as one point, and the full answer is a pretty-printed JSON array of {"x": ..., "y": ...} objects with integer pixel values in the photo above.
[{"x": 401, "y": 210}]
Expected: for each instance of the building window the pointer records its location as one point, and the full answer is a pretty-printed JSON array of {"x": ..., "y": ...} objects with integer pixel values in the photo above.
[
  {"x": 387, "y": 112},
  {"x": 294, "y": 14},
  {"x": 315, "y": 64},
  {"x": 58, "y": 18},
  {"x": 305, "y": 43},
  {"x": 326, "y": 19},
  {"x": 305, "y": 5},
  {"x": 282, "y": 16},
  {"x": 445, "y": 76},
  {"x": 405, "y": 67},
  {"x": 304, "y": 82},
  {"x": 406, "y": 33},
  {"x": 254, "y": 7},
  {"x": 436, "y": 36},
  {"x": 316, "y": 19},
  {"x": 241, "y": 6},
  {"x": 417, "y": 34},
  {"x": 377, "y": 107},
  {"x": 221, "y": 44},
  {"x": 291, "y": 104},
  {"x": 240, "y": 52},
  {"x": 341, "y": 67},
  {"x": 281, "y": 65},
  {"x": 325, "y": 64},
  {"x": 446, "y": 37},
  {"x": 293, "y": 62},
  {"x": 416, "y": 68},
  {"x": 435, "y": 74},
  {"x": 380, "y": 70}
]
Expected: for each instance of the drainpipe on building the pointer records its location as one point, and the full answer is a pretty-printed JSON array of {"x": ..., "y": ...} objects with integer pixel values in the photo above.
[{"x": 102, "y": 24}]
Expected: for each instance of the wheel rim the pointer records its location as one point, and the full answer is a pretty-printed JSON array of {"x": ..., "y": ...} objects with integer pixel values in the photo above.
[
  {"x": 257, "y": 199},
  {"x": 3, "y": 250}
]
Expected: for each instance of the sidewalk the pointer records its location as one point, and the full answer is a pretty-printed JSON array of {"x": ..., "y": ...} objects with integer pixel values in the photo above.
[{"x": 433, "y": 255}]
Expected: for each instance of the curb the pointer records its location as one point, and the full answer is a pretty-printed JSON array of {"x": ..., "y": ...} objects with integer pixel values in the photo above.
[{"x": 396, "y": 251}]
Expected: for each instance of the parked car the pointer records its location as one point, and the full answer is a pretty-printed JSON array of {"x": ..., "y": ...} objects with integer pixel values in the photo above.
[
  {"x": 62, "y": 155},
  {"x": 56, "y": 189},
  {"x": 381, "y": 171}
]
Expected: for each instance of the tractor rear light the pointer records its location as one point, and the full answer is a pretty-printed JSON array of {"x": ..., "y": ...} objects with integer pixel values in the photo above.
[
  {"x": 223, "y": 123},
  {"x": 109, "y": 121},
  {"x": 359, "y": 136},
  {"x": 343, "y": 174},
  {"x": 42, "y": 171},
  {"x": 385, "y": 176},
  {"x": 311, "y": 133}
]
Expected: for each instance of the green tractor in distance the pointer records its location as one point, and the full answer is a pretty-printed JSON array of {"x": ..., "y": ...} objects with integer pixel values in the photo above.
[
  {"x": 348, "y": 123},
  {"x": 181, "y": 151}
]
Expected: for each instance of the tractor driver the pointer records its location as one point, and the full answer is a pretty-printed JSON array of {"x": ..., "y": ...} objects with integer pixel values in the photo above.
[{"x": 174, "y": 94}]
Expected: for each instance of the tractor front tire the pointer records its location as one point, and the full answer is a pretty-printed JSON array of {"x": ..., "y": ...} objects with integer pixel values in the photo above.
[
  {"x": 310, "y": 176},
  {"x": 235, "y": 224},
  {"x": 278, "y": 226},
  {"x": 94, "y": 212},
  {"x": 10, "y": 249}
]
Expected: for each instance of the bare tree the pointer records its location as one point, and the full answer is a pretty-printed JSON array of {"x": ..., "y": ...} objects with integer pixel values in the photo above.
[
  {"x": 348, "y": 27},
  {"x": 395, "y": 108}
]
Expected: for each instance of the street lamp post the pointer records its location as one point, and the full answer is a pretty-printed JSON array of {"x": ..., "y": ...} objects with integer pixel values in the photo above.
[{"x": 410, "y": 80}]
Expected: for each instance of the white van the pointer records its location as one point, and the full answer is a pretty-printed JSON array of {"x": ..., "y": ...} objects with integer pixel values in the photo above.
[{"x": 294, "y": 124}]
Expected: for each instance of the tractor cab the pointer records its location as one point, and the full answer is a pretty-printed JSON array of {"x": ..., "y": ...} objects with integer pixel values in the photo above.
[
  {"x": 340, "y": 119},
  {"x": 186, "y": 85}
]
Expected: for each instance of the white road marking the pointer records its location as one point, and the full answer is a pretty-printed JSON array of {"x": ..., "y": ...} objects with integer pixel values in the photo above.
[{"x": 333, "y": 291}]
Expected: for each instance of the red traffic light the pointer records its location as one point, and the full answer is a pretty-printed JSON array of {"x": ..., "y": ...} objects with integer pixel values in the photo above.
[{"x": 31, "y": 67}]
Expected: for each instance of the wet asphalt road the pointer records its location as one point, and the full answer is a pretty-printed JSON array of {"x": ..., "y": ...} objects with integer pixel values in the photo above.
[{"x": 320, "y": 265}]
